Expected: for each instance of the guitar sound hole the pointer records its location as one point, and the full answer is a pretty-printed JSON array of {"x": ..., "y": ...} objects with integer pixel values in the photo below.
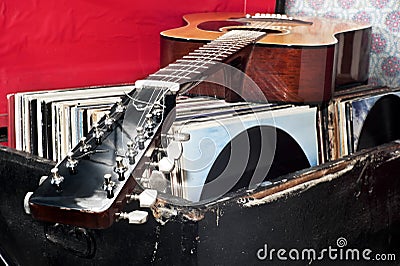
[
  {"x": 221, "y": 25},
  {"x": 218, "y": 25},
  {"x": 267, "y": 31}
]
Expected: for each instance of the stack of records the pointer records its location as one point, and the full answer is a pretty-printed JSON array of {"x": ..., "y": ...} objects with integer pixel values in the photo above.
[
  {"x": 51, "y": 123},
  {"x": 237, "y": 138},
  {"x": 362, "y": 117}
]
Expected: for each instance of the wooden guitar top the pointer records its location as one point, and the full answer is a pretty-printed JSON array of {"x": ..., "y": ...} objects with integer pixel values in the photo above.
[{"x": 294, "y": 33}]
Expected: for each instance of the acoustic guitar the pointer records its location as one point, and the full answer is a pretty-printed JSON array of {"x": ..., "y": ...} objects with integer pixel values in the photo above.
[
  {"x": 294, "y": 60},
  {"x": 298, "y": 60}
]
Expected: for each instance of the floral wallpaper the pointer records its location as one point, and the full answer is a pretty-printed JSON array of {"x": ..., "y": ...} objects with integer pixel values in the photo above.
[{"x": 383, "y": 15}]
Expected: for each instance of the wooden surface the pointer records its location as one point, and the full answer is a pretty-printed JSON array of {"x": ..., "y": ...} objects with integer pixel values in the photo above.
[
  {"x": 321, "y": 32},
  {"x": 304, "y": 65}
]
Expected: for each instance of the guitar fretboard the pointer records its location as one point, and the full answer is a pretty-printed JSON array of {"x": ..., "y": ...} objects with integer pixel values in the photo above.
[{"x": 195, "y": 64}]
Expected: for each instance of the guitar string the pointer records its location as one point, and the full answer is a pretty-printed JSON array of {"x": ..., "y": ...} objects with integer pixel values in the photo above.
[
  {"x": 236, "y": 39},
  {"x": 204, "y": 60}
]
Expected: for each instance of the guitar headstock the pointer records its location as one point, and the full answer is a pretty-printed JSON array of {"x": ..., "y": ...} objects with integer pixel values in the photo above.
[{"x": 99, "y": 176}]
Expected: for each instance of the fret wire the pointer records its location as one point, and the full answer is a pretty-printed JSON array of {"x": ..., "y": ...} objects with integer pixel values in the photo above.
[
  {"x": 239, "y": 39},
  {"x": 187, "y": 65},
  {"x": 235, "y": 40},
  {"x": 171, "y": 76},
  {"x": 183, "y": 70}
]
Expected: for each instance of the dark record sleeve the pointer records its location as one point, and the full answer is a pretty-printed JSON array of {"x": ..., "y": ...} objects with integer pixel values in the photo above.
[{"x": 33, "y": 126}]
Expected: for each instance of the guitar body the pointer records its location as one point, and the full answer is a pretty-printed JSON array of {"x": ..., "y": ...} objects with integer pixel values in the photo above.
[{"x": 295, "y": 62}]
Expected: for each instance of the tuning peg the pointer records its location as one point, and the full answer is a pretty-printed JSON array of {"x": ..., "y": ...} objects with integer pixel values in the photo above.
[
  {"x": 174, "y": 150},
  {"x": 71, "y": 163},
  {"x": 109, "y": 121},
  {"x": 134, "y": 217},
  {"x": 131, "y": 152},
  {"x": 108, "y": 185},
  {"x": 181, "y": 136},
  {"x": 157, "y": 114},
  {"x": 120, "y": 169},
  {"x": 177, "y": 136},
  {"x": 149, "y": 124},
  {"x": 84, "y": 148},
  {"x": 146, "y": 199},
  {"x": 97, "y": 133},
  {"x": 140, "y": 137},
  {"x": 56, "y": 178},
  {"x": 120, "y": 107},
  {"x": 166, "y": 165}
]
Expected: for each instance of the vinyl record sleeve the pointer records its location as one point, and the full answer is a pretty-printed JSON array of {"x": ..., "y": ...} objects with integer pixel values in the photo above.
[
  {"x": 286, "y": 117},
  {"x": 77, "y": 121},
  {"x": 347, "y": 113},
  {"x": 34, "y": 115},
  {"x": 11, "y": 120}
]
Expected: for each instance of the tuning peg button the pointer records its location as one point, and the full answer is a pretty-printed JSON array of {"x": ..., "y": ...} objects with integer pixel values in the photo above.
[
  {"x": 56, "y": 178},
  {"x": 134, "y": 217},
  {"x": 84, "y": 148},
  {"x": 146, "y": 199},
  {"x": 178, "y": 136},
  {"x": 166, "y": 165},
  {"x": 71, "y": 163},
  {"x": 120, "y": 169},
  {"x": 109, "y": 121},
  {"x": 140, "y": 137},
  {"x": 97, "y": 133},
  {"x": 120, "y": 107},
  {"x": 157, "y": 115},
  {"x": 149, "y": 124},
  {"x": 131, "y": 152},
  {"x": 108, "y": 185}
]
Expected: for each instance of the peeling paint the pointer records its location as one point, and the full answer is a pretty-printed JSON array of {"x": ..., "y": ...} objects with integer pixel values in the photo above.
[
  {"x": 300, "y": 187},
  {"x": 153, "y": 257},
  {"x": 217, "y": 215},
  {"x": 393, "y": 156},
  {"x": 298, "y": 182}
]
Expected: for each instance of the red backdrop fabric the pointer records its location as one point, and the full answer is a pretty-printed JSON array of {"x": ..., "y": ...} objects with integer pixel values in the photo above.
[{"x": 48, "y": 44}]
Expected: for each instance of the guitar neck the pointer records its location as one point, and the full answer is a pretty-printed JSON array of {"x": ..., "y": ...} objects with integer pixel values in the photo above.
[{"x": 198, "y": 64}]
